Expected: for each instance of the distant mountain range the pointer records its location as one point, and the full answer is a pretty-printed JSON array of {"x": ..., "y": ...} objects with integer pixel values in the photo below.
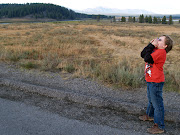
[{"x": 113, "y": 11}]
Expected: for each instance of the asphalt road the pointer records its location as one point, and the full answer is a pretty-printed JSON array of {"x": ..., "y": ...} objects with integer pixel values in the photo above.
[
  {"x": 31, "y": 114},
  {"x": 17, "y": 118}
]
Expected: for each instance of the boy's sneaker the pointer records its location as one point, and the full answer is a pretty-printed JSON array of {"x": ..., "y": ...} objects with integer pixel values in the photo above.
[
  {"x": 155, "y": 130},
  {"x": 146, "y": 118}
]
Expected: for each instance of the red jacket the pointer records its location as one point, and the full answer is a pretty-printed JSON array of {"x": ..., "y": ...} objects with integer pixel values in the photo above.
[{"x": 154, "y": 72}]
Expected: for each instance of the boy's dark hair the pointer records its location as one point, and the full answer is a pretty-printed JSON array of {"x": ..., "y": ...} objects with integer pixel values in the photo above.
[{"x": 169, "y": 42}]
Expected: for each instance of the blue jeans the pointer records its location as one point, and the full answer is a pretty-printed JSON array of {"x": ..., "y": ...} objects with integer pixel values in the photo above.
[{"x": 155, "y": 103}]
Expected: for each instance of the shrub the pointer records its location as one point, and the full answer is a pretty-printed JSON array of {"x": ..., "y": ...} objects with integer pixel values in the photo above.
[
  {"x": 30, "y": 54},
  {"x": 29, "y": 65},
  {"x": 50, "y": 61},
  {"x": 116, "y": 74},
  {"x": 10, "y": 55},
  {"x": 122, "y": 75},
  {"x": 69, "y": 68},
  {"x": 172, "y": 82}
]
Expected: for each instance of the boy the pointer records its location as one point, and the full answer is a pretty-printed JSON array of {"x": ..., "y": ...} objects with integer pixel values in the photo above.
[{"x": 155, "y": 56}]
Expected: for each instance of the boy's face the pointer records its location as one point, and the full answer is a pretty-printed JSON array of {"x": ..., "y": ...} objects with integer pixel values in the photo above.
[{"x": 161, "y": 43}]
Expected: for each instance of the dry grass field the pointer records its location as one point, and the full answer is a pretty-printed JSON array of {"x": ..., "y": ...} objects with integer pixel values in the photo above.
[{"x": 104, "y": 51}]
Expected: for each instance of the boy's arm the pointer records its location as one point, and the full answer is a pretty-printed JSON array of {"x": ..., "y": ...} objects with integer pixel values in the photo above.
[{"x": 146, "y": 53}]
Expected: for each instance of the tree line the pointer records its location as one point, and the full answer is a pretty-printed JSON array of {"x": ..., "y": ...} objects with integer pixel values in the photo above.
[
  {"x": 146, "y": 19},
  {"x": 41, "y": 10},
  {"x": 155, "y": 20}
]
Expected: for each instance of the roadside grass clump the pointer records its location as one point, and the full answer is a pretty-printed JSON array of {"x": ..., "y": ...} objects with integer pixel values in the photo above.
[
  {"x": 50, "y": 61},
  {"x": 121, "y": 75},
  {"x": 29, "y": 65},
  {"x": 30, "y": 54},
  {"x": 116, "y": 74},
  {"x": 69, "y": 68},
  {"x": 14, "y": 57},
  {"x": 10, "y": 55},
  {"x": 172, "y": 82}
]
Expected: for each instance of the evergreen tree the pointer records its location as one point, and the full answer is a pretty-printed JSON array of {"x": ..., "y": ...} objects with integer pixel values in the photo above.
[
  {"x": 164, "y": 20},
  {"x": 150, "y": 19},
  {"x": 146, "y": 19},
  {"x": 134, "y": 19},
  {"x": 170, "y": 20},
  {"x": 123, "y": 19},
  {"x": 130, "y": 19},
  {"x": 141, "y": 18},
  {"x": 155, "y": 21}
]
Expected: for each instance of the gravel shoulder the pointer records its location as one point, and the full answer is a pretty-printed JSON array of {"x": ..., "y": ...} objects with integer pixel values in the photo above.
[
  {"x": 100, "y": 119},
  {"x": 80, "y": 90}
]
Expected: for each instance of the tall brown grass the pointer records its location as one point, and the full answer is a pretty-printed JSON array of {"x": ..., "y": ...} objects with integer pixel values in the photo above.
[{"x": 104, "y": 51}]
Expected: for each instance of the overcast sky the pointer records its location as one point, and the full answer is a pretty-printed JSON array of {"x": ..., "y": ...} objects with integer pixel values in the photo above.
[{"x": 157, "y": 6}]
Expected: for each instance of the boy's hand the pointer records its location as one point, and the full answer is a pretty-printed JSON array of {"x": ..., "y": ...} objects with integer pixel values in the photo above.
[{"x": 154, "y": 42}]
